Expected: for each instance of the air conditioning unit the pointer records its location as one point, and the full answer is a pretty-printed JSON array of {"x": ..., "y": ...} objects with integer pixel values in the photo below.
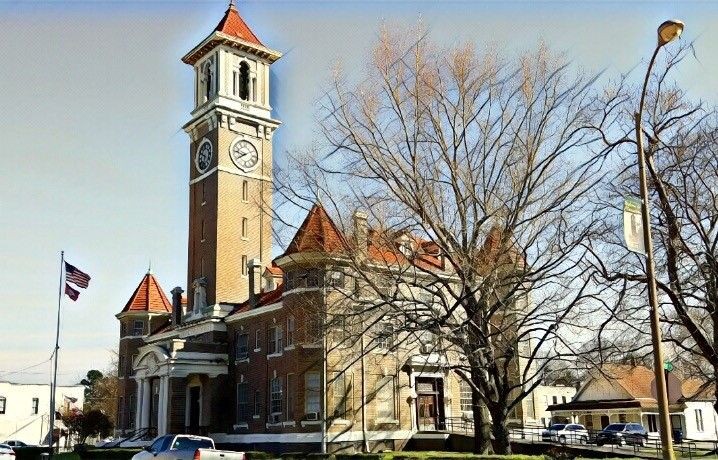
[{"x": 312, "y": 416}]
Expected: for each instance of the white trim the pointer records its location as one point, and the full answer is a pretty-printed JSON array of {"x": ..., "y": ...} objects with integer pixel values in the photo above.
[
  {"x": 255, "y": 312},
  {"x": 275, "y": 355},
  {"x": 235, "y": 172}
]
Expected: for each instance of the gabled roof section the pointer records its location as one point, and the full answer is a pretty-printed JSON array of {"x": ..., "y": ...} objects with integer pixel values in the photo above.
[
  {"x": 233, "y": 24},
  {"x": 318, "y": 233},
  {"x": 265, "y": 298},
  {"x": 148, "y": 297}
]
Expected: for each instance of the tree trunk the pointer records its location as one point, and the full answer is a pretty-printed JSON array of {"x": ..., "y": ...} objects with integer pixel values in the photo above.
[
  {"x": 482, "y": 435},
  {"x": 502, "y": 442}
]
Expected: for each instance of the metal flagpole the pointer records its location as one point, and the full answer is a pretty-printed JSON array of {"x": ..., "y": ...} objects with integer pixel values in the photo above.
[{"x": 53, "y": 384}]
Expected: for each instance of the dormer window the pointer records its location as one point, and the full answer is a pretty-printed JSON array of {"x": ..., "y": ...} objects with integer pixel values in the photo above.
[{"x": 244, "y": 81}]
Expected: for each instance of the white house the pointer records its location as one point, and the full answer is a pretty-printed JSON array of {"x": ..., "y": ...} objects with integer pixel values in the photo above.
[
  {"x": 547, "y": 395},
  {"x": 622, "y": 393},
  {"x": 25, "y": 409}
]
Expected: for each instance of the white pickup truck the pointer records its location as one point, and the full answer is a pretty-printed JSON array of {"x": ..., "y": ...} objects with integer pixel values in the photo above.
[{"x": 185, "y": 447}]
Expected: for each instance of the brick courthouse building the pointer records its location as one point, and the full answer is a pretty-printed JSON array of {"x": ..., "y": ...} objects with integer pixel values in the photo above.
[{"x": 241, "y": 357}]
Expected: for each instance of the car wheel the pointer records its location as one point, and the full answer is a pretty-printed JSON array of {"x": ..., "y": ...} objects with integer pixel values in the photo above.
[
  {"x": 621, "y": 442},
  {"x": 642, "y": 442},
  {"x": 583, "y": 440},
  {"x": 562, "y": 439}
]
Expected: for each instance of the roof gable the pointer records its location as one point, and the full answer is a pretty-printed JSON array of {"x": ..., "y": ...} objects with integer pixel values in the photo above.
[
  {"x": 232, "y": 24},
  {"x": 148, "y": 297}
]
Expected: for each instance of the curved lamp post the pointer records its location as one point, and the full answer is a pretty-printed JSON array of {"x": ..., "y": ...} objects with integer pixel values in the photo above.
[{"x": 667, "y": 32}]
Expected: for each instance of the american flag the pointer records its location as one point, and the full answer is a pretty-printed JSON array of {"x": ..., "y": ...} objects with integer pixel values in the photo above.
[
  {"x": 76, "y": 277},
  {"x": 71, "y": 293}
]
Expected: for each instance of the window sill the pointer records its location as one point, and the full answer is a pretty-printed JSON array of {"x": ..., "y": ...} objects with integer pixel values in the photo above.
[
  {"x": 241, "y": 426},
  {"x": 203, "y": 203},
  {"x": 255, "y": 417},
  {"x": 274, "y": 425},
  {"x": 386, "y": 421},
  {"x": 289, "y": 423},
  {"x": 310, "y": 422},
  {"x": 257, "y": 350},
  {"x": 274, "y": 355},
  {"x": 244, "y": 238},
  {"x": 202, "y": 240},
  {"x": 240, "y": 361},
  {"x": 289, "y": 347},
  {"x": 342, "y": 422}
]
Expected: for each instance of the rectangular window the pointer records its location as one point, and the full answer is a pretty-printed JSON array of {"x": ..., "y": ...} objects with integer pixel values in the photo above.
[
  {"x": 202, "y": 230},
  {"x": 274, "y": 344},
  {"x": 291, "y": 389},
  {"x": 385, "y": 338},
  {"x": 244, "y": 265},
  {"x": 312, "y": 392},
  {"x": 652, "y": 423},
  {"x": 465, "y": 394},
  {"x": 563, "y": 399},
  {"x": 35, "y": 405},
  {"x": 241, "y": 346},
  {"x": 123, "y": 329},
  {"x": 290, "y": 330},
  {"x": 257, "y": 403},
  {"x": 245, "y": 191},
  {"x": 699, "y": 420},
  {"x": 257, "y": 339},
  {"x": 121, "y": 412},
  {"x": 385, "y": 398},
  {"x": 138, "y": 327},
  {"x": 314, "y": 329},
  {"x": 244, "y": 227},
  {"x": 341, "y": 395},
  {"x": 120, "y": 366},
  {"x": 243, "y": 414},
  {"x": 234, "y": 83},
  {"x": 276, "y": 396},
  {"x": 254, "y": 89},
  {"x": 3, "y": 402},
  {"x": 555, "y": 399},
  {"x": 131, "y": 411}
]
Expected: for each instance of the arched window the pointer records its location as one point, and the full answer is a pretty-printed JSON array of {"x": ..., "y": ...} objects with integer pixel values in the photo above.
[
  {"x": 208, "y": 79},
  {"x": 244, "y": 81}
]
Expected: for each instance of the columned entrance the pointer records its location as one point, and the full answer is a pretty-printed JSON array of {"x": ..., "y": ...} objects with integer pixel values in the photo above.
[
  {"x": 430, "y": 404},
  {"x": 194, "y": 409}
]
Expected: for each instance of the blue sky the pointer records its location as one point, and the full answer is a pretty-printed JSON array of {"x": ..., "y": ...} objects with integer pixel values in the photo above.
[{"x": 93, "y": 95}]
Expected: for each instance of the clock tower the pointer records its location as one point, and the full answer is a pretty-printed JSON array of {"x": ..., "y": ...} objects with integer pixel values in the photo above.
[{"x": 230, "y": 189}]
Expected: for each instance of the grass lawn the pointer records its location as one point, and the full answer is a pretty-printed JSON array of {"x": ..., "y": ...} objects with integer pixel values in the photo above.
[
  {"x": 429, "y": 455},
  {"x": 67, "y": 456}
]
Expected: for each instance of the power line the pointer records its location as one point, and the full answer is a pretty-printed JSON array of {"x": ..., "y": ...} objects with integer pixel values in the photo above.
[{"x": 20, "y": 371}]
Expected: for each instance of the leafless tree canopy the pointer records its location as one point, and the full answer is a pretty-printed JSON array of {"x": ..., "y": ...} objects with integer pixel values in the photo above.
[{"x": 487, "y": 164}]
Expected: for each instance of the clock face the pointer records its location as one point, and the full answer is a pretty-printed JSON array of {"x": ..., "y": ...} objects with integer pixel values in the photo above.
[
  {"x": 203, "y": 157},
  {"x": 244, "y": 155}
]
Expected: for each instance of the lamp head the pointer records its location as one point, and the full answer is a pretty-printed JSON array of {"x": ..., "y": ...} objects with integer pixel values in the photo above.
[{"x": 669, "y": 31}]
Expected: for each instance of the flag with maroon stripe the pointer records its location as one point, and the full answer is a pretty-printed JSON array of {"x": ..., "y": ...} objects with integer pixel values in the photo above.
[
  {"x": 71, "y": 293},
  {"x": 75, "y": 276}
]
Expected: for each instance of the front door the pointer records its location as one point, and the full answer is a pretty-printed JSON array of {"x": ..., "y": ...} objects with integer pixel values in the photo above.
[
  {"x": 155, "y": 403},
  {"x": 194, "y": 407},
  {"x": 427, "y": 412}
]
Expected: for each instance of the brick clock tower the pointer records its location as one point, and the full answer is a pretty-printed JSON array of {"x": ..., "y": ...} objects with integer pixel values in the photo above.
[{"x": 230, "y": 189}]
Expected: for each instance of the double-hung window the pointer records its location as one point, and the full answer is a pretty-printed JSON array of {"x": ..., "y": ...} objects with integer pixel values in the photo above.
[
  {"x": 275, "y": 387},
  {"x": 243, "y": 414},
  {"x": 312, "y": 392},
  {"x": 275, "y": 340},
  {"x": 241, "y": 346},
  {"x": 465, "y": 390}
]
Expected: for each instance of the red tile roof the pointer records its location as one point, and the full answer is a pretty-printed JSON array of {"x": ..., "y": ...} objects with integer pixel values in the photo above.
[
  {"x": 317, "y": 234},
  {"x": 265, "y": 298},
  {"x": 148, "y": 297},
  {"x": 233, "y": 24}
]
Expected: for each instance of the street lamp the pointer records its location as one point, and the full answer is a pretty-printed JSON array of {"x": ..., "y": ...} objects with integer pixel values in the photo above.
[{"x": 667, "y": 32}]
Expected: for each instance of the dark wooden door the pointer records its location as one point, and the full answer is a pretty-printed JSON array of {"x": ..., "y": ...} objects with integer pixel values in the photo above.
[{"x": 194, "y": 408}]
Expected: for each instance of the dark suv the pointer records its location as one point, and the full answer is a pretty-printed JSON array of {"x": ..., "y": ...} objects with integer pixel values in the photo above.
[{"x": 622, "y": 434}]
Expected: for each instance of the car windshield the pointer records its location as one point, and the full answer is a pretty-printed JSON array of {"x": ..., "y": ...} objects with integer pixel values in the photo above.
[
  {"x": 558, "y": 427},
  {"x": 192, "y": 444},
  {"x": 615, "y": 427}
]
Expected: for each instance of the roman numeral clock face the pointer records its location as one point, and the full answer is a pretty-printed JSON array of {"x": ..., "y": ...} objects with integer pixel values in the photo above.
[
  {"x": 203, "y": 157},
  {"x": 244, "y": 154}
]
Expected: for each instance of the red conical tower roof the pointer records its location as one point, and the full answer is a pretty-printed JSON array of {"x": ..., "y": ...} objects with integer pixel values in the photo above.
[
  {"x": 233, "y": 24},
  {"x": 317, "y": 234},
  {"x": 148, "y": 297}
]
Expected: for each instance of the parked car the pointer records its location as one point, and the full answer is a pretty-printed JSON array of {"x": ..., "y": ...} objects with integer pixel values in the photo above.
[
  {"x": 185, "y": 447},
  {"x": 622, "y": 434},
  {"x": 566, "y": 433},
  {"x": 6, "y": 452},
  {"x": 15, "y": 443}
]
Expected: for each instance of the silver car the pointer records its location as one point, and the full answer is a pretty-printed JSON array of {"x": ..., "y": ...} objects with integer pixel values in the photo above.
[{"x": 174, "y": 447}]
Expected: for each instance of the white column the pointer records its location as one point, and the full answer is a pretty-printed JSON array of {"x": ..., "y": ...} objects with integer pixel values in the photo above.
[
  {"x": 163, "y": 406},
  {"x": 138, "y": 403},
  {"x": 146, "y": 401}
]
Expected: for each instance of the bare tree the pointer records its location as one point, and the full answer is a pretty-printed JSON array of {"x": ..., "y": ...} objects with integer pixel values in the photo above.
[
  {"x": 475, "y": 172},
  {"x": 682, "y": 164}
]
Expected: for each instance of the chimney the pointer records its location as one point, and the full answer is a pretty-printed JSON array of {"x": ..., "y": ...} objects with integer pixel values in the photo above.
[
  {"x": 360, "y": 232},
  {"x": 255, "y": 280},
  {"x": 177, "y": 306}
]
